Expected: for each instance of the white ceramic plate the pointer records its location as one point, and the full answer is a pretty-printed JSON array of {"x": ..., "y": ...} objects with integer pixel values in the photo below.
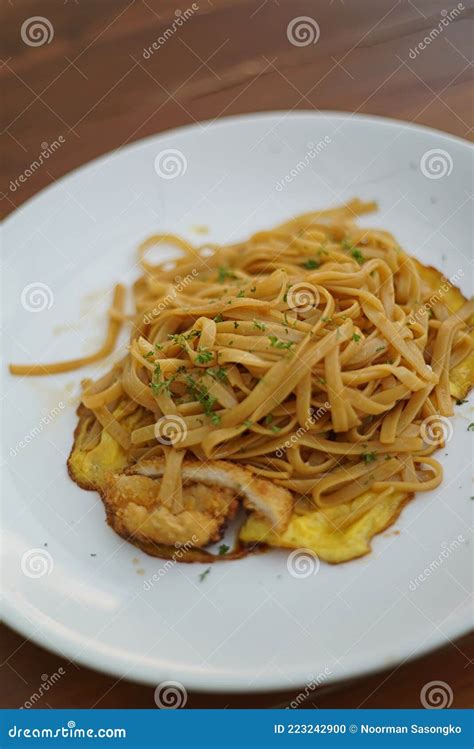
[{"x": 75, "y": 587}]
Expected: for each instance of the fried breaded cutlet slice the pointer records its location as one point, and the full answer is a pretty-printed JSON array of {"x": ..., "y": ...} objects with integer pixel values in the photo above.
[{"x": 210, "y": 498}]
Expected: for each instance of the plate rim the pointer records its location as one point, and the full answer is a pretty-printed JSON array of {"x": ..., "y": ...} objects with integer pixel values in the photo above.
[
  {"x": 111, "y": 661},
  {"x": 244, "y": 117},
  {"x": 232, "y": 683}
]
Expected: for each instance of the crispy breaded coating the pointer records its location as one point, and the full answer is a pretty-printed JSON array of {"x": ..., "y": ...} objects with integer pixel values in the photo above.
[{"x": 210, "y": 498}]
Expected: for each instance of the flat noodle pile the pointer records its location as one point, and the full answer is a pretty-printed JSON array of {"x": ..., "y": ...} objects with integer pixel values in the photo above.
[{"x": 305, "y": 354}]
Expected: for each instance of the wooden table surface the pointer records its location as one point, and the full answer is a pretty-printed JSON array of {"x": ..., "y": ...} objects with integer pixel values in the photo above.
[{"x": 86, "y": 78}]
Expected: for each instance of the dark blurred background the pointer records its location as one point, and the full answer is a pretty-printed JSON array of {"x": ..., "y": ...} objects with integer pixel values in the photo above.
[{"x": 89, "y": 78}]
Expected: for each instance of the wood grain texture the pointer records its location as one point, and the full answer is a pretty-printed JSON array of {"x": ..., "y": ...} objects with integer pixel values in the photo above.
[
  {"x": 78, "y": 687},
  {"x": 95, "y": 86}
]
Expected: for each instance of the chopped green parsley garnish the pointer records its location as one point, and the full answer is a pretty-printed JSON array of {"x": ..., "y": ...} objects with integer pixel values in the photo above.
[
  {"x": 204, "y": 356},
  {"x": 158, "y": 385},
  {"x": 356, "y": 337},
  {"x": 181, "y": 338},
  {"x": 223, "y": 274},
  {"x": 204, "y": 574},
  {"x": 259, "y": 325},
  {"x": 276, "y": 343},
  {"x": 202, "y": 395},
  {"x": 311, "y": 264},
  {"x": 368, "y": 457},
  {"x": 357, "y": 255},
  {"x": 223, "y": 549},
  {"x": 220, "y": 373}
]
